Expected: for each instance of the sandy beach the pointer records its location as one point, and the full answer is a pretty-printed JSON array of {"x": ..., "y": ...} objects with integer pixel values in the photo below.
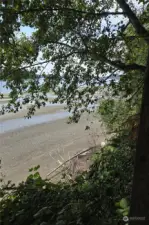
[{"x": 46, "y": 144}]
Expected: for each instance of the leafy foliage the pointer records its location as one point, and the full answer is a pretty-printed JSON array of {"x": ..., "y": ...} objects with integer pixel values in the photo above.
[
  {"x": 85, "y": 43},
  {"x": 91, "y": 199},
  {"x": 116, "y": 113}
]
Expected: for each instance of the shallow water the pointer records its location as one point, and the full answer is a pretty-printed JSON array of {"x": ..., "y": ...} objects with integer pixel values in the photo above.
[
  {"x": 14, "y": 124},
  {"x": 18, "y": 123}
]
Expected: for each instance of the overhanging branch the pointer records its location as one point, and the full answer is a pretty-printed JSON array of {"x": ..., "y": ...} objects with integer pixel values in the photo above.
[
  {"x": 62, "y": 44},
  {"x": 118, "y": 64},
  {"x": 44, "y": 62},
  {"x": 101, "y": 14},
  {"x": 125, "y": 67}
]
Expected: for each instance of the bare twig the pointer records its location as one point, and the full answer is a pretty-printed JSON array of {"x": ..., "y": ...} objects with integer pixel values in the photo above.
[{"x": 86, "y": 150}]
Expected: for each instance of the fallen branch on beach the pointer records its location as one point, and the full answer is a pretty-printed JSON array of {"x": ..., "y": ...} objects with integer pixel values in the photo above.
[{"x": 76, "y": 155}]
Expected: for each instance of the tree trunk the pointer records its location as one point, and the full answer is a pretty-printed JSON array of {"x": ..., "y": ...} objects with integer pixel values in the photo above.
[
  {"x": 139, "y": 211},
  {"x": 139, "y": 28}
]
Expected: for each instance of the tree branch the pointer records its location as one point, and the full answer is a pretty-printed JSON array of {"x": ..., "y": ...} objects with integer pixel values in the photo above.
[
  {"x": 125, "y": 67},
  {"x": 106, "y": 78},
  {"x": 140, "y": 30},
  {"x": 62, "y": 44},
  {"x": 125, "y": 27},
  {"x": 117, "y": 64},
  {"x": 61, "y": 9}
]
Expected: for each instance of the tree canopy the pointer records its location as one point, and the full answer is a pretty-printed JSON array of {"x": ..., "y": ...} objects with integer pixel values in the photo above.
[{"x": 84, "y": 42}]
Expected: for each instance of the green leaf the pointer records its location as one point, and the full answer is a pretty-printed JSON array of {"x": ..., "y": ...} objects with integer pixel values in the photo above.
[
  {"x": 120, "y": 211},
  {"x": 36, "y": 168},
  {"x": 30, "y": 176},
  {"x": 125, "y": 213},
  {"x": 123, "y": 203},
  {"x": 31, "y": 169},
  {"x": 36, "y": 175}
]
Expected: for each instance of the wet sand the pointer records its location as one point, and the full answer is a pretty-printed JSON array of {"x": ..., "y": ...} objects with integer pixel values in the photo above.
[{"x": 46, "y": 144}]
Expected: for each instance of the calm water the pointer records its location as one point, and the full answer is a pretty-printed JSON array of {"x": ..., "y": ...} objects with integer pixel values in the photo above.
[{"x": 14, "y": 124}]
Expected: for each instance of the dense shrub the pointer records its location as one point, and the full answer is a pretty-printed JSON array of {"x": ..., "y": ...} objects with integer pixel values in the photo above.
[{"x": 115, "y": 113}]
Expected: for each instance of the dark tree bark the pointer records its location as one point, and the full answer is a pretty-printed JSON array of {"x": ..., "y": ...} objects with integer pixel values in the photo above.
[
  {"x": 139, "y": 210},
  {"x": 140, "y": 191},
  {"x": 140, "y": 29}
]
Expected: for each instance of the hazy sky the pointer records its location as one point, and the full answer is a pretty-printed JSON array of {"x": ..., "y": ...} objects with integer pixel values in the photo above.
[{"x": 28, "y": 31}]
